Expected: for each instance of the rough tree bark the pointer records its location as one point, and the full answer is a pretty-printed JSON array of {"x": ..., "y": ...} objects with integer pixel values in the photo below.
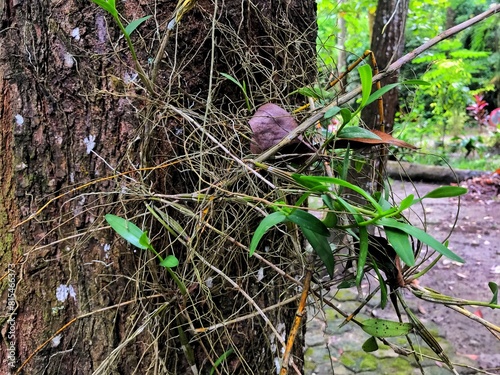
[
  {"x": 71, "y": 112},
  {"x": 387, "y": 43}
]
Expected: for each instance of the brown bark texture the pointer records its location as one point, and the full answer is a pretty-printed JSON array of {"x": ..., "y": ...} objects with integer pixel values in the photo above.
[
  {"x": 76, "y": 299},
  {"x": 387, "y": 44}
]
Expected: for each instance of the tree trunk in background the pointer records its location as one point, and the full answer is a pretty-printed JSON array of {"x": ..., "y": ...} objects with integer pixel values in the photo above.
[
  {"x": 387, "y": 43},
  {"x": 71, "y": 112}
]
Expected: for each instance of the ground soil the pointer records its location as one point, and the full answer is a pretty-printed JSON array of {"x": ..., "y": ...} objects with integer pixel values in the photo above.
[{"x": 475, "y": 220}]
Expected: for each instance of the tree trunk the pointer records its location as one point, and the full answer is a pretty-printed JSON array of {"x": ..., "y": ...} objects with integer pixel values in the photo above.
[
  {"x": 81, "y": 136},
  {"x": 387, "y": 44}
]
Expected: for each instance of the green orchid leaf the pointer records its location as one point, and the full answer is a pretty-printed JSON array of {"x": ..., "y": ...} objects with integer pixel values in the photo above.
[
  {"x": 108, "y": 5},
  {"x": 370, "y": 345},
  {"x": 169, "y": 262},
  {"x": 350, "y": 132},
  {"x": 400, "y": 241},
  {"x": 386, "y": 328},
  {"x": 422, "y": 236},
  {"x": 127, "y": 230},
  {"x": 331, "y": 112},
  {"x": 322, "y": 247},
  {"x": 365, "y": 74},
  {"x": 363, "y": 253},
  {"x": 135, "y": 24},
  {"x": 377, "y": 94},
  {"x": 407, "y": 202},
  {"x": 494, "y": 289},
  {"x": 346, "y": 116},
  {"x": 306, "y": 220},
  {"x": 221, "y": 359},
  {"x": 144, "y": 240},
  {"x": 446, "y": 192},
  {"x": 383, "y": 287},
  {"x": 267, "y": 223}
]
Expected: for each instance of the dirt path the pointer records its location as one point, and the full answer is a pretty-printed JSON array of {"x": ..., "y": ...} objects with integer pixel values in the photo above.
[{"x": 477, "y": 240}]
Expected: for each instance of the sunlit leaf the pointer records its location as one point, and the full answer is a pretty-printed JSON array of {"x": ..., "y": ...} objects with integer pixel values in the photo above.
[
  {"x": 169, "y": 262},
  {"x": 127, "y": 230},
  {"x": 377, "y": 94},
  {"x": 268, "y": 222},
  {"x": 370, "y": 345},
  {"x": 135, "y": 24},
  {"x": 446, "y": 192},
  {"x": 385, "y": 328},
  {"x": 308, "y": 221},
  {"x": 422, "y": 236},
  {"x": 322, "y": 247},
  {"x": 401, "y": 243},
  {"x": 108, "y": 5},
  {"x": 407, "y": 202},
  {"x": 365, "y": 75},
  {"x": 494, "y": 289}
]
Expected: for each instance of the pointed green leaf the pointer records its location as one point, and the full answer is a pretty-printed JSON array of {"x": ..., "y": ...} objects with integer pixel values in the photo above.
[
  {"x": 365, "y": 74},
  {"x": 363, "y": 253},
  {"x": 306, "y": 220},
  {"x": 494, "y": 289},
  {"x": 346, "y": 116},
  {"x": 377, "y": 94},
  {"x": 422, "y": 236},
  {"x": 144, "y": 240},
  {"x": 330, "y": 220},
  {"x": 386, "y": 328},
  {"x": 350, "y": 132},
  {"x": 135, "y": 24},
  {"x": 370, "y": 345},
  {"x": 221, "y": 359},
  {"x": 407, "y": 202},
  {"x": 446, "y": 192},
  {"x": 232, "y": 79},
  {"x": 383, "y": 287},
  {"x": 266, "y": 223},
  {"x": 400, "y": 241},
  {"x": 322, "y": 247},
  {"x": 108, "y": 5},
  {"x": 346, "y": 284},
  {"x": 331, "y": 112},
  {"x": 127, "y": 230},
  {"x": 322, "y": 183},
  {"x": 169, "y": 262}
]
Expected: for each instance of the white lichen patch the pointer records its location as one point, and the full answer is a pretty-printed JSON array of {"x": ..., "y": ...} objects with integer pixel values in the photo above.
[
  {"x": 65, "y": 291},
  {"x": 209, "y": 282},
  {"x": 89, "y": 143},
  {"x": 19, "y": 119},
  {"x": 75, "y": 33},
  {"x": 260, "y": 274},
  {"x": 69, "y": 60},
  {"x": 129, "y": 78},
  {"x": 56, "y": 341}
]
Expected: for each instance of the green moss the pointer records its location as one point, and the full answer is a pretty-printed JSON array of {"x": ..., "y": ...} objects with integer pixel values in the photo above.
[{"x": 358, "y": 361}]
